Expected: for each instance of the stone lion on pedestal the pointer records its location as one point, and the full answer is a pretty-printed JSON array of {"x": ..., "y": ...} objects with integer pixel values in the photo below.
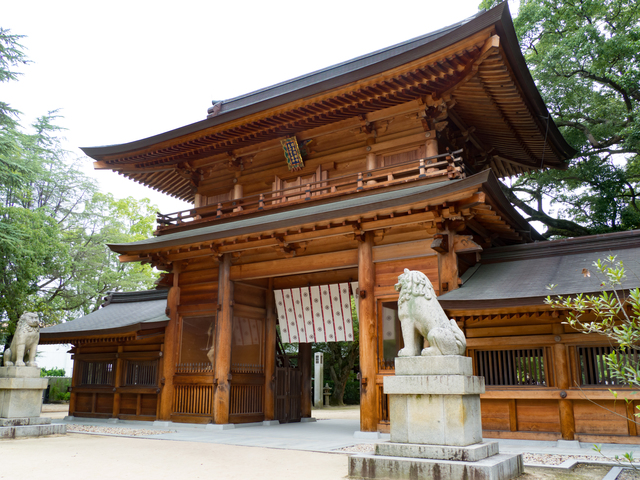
[
  {"x": 421, "y": 316},
  {"x": 25, "y": 342}
]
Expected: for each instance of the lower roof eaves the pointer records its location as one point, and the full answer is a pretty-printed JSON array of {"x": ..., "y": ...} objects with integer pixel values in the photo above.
[
  {"x": 124, "y": 312},
  {"x": 520, "y": 275}
]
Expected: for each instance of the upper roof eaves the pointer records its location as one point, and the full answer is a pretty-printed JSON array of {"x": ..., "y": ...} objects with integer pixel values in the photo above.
[{"x": 321, "y": 80}]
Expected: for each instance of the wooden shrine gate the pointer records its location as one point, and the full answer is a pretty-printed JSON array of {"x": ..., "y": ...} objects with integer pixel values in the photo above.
[
  {"x": 288, "y": 397},
  {"x": 288, "y": 387}
]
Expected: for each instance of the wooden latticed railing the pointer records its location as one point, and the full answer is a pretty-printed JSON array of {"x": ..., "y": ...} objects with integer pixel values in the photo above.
[
  {"x": 246, "y": 368},
  {"x": 595, "y": 371},
  {"x": 518, "y": 367},
  {"x": 193, "y": 399},
  {"x": 141, "y": 373},
  {"x": 448, "y": 165},
  {"x": 246, "y": 399},
  {"x": 383, "y": 406},
  {"x": 97, "y": 372},
  {"x": 204, "y": 367}
]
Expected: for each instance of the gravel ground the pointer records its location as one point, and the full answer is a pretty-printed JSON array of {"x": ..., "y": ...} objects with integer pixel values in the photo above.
[
  {"x": 629, "y": 474},
  {"x": 529, "y": 458},
  {"x": 129, "y": 432}
]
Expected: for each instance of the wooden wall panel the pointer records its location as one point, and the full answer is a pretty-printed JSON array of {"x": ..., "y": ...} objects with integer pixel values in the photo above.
[
  {"x": 198, "y": 276},
  {"x": 538, "y": 415},
  {"x": 128, "y": 403},
  {"x": 495, "y": 414},
  {"x": 148, "y": 404},
  {"x": 387, "y": 273},
  {"x": 83, "y": 403},
  {"x": 597, "y": 420},
  {"x": 104, "y": 403},
  {"x": 249, "y": 295}
]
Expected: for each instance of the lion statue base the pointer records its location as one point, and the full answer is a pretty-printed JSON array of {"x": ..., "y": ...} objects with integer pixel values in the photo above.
[
  {"x": 421, "y": 316},
  {"x": 25, "y": 342}
]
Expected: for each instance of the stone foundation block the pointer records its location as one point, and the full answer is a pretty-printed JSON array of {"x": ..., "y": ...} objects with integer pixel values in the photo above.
[
  {"x": 471, "y": 453},
  {"x": 435, "y": 419},
  {"x": 21, "y": 401},
  {"x": 18, "y": 421},
  {"x": 496, "y": 467},
  {"x": 32, "y": 431},
  {"x": 438, "y": 365},
  {"x": 19, "y": 372},
  {"x": 433, "y": 385}
]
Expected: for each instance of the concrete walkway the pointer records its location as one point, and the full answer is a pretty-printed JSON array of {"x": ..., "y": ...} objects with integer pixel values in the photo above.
[{"x": 297, "y": 450}]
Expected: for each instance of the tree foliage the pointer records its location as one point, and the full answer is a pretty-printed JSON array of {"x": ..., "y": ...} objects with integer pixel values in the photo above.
[
  {"x": 584, "y": 56},
  {"x": 54, "y": 222},
  {"x": 340, "y": 359},
  {"x": 612, "y": 313}
]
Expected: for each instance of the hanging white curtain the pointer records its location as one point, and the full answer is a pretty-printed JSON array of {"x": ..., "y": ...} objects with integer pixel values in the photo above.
[{"x": 316, "y": 314}]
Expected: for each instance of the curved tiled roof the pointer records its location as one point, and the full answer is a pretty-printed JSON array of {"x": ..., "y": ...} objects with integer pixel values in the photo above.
[{"x": 123, "y": 312}]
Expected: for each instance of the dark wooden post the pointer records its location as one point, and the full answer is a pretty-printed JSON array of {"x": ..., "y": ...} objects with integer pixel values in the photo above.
[
  {"x": 169, "y": 354},
  {"x": 223, "y": 343},
  {"x": 118, "y": 381},
  {"x": 563, "y": 379},
  {"x": 270, "y": 356},
  {"x": 304, "y": 363},
  {"x": 75, "y": 380},
  {"x": 447, "y": 261},
  {"x": 368, "y": 342}
]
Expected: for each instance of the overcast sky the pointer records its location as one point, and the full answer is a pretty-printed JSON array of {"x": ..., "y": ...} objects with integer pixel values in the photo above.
[{"x": 121, "y": 71}]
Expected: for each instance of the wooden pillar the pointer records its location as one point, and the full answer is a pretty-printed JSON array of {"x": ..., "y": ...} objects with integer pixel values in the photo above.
[
  {"x": 75, "y": 375},
  {"x": 368, "y": 337},
  {"x": 431, "y": 143},
  {"x": 270, "y": 356},
  {"x": 632, "y": 427},
  {"x": 118, "y": 381},
  {"x": 447, "y": 261},
  {"x": 371, "y": 165},
  {"x": 198, "y": 200},
  {"x": 563, "y": 382},
  {"x": 223, "y": 344},
  {"x": 237, "y": 193},
  {"x": 170, "y": 348},
  {"x": 305, "y": 363}
]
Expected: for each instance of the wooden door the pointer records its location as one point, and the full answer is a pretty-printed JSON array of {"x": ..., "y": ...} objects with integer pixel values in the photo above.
[{"x": 288, "y": 399}]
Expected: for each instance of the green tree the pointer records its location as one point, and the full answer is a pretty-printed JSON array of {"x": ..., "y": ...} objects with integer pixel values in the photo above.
[
  {"x": 584, "y": 56},
  {"x": 54, "y": 223},
  {"x": 613, "y": 313},
  {"x": 340, "y": 358}
]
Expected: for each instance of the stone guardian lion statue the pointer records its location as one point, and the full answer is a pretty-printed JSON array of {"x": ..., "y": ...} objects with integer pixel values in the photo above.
[
  {"x": 421, "y": 316},
  {"x": 25, "y": 342}
]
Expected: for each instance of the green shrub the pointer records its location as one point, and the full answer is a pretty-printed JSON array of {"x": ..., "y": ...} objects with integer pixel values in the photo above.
[
  {"x": 53, "y": 372},
  {"x": 59, "y": 389}
]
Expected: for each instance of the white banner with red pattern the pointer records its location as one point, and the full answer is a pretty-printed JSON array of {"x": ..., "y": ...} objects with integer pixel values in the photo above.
[{"x": 316, "y": 314}]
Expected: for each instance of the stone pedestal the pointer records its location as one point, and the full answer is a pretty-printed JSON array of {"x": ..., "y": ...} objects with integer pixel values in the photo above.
[
  {"x": 21, "y": 403},
  {"x": 436, "y": 426},
  {"x": 441, "y": 407}
]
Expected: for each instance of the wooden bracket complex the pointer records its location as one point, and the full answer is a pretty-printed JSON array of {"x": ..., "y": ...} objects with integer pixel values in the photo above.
[{"x": 440, "y": 243}]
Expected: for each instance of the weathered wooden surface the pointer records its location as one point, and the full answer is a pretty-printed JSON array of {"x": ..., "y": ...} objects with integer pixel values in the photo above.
[
  {"x": 223, "y": 344},
  {"x": 368, "y": 336}
]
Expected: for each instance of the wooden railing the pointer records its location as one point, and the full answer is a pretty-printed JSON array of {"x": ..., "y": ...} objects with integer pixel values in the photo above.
[
  {"x": 448, "y": 165},
  {"x": 521, "y": 367},
  {"x": 141, "y": 373},
  {"x": 97, "y": 372},
  {"x": 595, "y": 370},
  {"x": 204, "y": 367},
  {"x": 246, "y": 399},
  {"x": 193, "y": 399}
]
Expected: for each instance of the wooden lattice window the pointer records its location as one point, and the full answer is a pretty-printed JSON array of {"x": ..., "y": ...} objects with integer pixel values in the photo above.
[
  {"x": 594, "y": 369},
  {"x": 142, "y": 373},
  {"x": 97, "y": 372},
  {"x": 521, "y": 367}
]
